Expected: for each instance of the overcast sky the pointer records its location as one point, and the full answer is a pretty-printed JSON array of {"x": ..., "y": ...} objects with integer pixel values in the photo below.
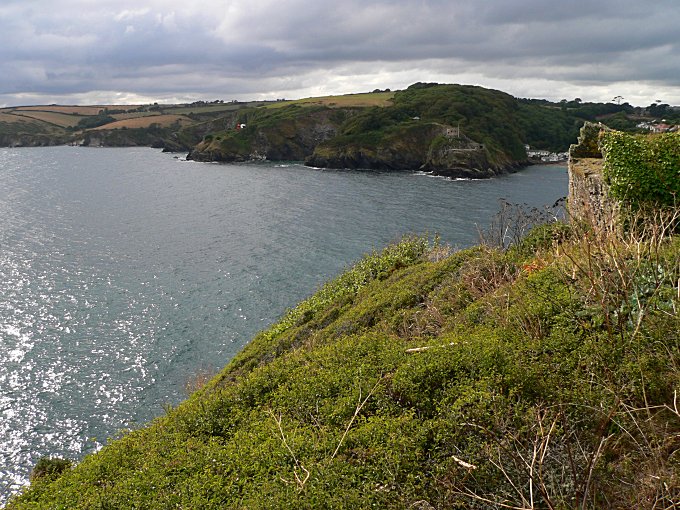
[{"x": 137, "y": 51}]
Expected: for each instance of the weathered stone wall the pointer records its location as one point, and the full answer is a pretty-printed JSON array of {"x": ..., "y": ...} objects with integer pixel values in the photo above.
[{"x": 588, "y": 198}]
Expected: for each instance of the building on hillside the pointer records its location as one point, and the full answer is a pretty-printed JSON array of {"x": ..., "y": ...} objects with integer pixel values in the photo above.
[{"x": 661, "y": 128}]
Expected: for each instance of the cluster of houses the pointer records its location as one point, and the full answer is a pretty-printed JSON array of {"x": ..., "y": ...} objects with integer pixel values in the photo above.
[
  {"x": 658, "y": 127},
  {"x": 546, "y": 156}
]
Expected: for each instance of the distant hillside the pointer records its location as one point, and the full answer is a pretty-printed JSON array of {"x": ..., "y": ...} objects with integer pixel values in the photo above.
[
  {"x": 454, "y": 130},
  {"x": 177, "y": 127},
  {"x": 442, "y": 127}
]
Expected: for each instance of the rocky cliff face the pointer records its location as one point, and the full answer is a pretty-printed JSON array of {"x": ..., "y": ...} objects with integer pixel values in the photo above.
[
  {"x": 292, "y": 137},
  {"x": 31, "y": 140},
  {"x": 454, "y": 155},
  {"x": 431, "y": 147},
  {"x": 402, "y": 149}
]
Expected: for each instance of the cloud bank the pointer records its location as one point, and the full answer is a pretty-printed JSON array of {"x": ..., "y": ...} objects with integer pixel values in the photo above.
[{"x": 123, "y": 51}]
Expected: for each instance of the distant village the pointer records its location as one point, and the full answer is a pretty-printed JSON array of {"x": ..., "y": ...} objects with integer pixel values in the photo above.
[
  {"x": 658, "y": 127},
  {"x": 543, "y": 156}
]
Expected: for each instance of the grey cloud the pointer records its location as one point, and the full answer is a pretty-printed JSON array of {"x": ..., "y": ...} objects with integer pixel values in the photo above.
[{"x": 169, "y": 48}]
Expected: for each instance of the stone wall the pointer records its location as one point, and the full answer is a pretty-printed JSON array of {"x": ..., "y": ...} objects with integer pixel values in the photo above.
[{"x": 588, "y": 199}]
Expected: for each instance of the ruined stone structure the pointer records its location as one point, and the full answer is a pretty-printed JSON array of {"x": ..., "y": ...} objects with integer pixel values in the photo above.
[{"x": 588, "y": 198}]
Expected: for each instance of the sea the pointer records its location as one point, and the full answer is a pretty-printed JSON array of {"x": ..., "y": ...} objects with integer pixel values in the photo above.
[{"x": 127, "y": 274}]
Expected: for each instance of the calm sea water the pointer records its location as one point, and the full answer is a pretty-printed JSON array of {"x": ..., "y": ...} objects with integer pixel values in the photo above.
[{"x": 124, "y": 272}]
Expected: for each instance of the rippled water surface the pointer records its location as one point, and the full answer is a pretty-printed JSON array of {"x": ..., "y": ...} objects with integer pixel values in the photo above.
[{"x": 124, "y": 272}]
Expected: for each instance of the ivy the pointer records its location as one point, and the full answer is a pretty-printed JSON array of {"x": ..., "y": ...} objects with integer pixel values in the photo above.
[{"x": 642, "y": 169}]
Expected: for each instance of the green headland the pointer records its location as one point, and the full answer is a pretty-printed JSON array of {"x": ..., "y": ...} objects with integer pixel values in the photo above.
[{"x": 450, "y": 130}]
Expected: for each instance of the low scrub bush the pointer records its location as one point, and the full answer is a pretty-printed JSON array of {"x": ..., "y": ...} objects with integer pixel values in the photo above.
[{"x": 50, "y": 467}]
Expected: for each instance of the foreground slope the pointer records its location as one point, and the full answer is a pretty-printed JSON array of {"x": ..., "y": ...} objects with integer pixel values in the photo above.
[{"x": 544, "y": 375}]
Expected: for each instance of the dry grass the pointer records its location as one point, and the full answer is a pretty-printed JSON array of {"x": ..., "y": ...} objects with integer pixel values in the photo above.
[
  {"x": 620, "y": 270},
  {"x": 11, "y": 119},
  {"x": 58, "y": 119},
  {"x": 145, "y": 122},
  {"x": 72, "y": 110},
  {"x": 346, "y": 101},
  {"x": 587, "y": 166},
  {"x": 133, "y": 115}
]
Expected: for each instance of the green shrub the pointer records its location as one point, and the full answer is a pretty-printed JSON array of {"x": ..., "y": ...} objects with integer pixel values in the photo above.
[
  {"x": 642, "y": 169},
  {"x": 50, "y": 467}
]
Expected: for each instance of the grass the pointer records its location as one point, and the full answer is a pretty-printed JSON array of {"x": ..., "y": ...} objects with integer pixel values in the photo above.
[
  {"x": 10, "y": 118},
  {"x": 216, "y": 108},
  {"x": 544, "y": 374},
  {"x": 56, "y": 118},
  {"x": 133, "y": 115},
  {"x": 344, "y": 101},
  {"x": 145, "y": 122},
  {"x": 68, "y": 110}
]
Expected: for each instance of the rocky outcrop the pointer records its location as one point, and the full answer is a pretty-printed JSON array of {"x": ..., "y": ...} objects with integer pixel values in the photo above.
[
  {"x": 31, "y": 140},
  {"x": 431, "y": 147},
  {"x": 403, "y": 149},
  {"x": 121, "y": 138},
  {"x": 456, "y": 156}
]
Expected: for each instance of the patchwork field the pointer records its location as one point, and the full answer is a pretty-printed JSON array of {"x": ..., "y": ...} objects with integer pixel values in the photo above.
[
  {"x": 348, "y": 100},
  {"x": 69, "y": 110},
  {"x": 12, "y": 119},
  {"x": 145, "y": 122},
  {"x": 59, "y": 119}
]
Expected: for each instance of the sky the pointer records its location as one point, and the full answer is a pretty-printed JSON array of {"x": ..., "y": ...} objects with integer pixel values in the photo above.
[{"x": 169, "y": 51}]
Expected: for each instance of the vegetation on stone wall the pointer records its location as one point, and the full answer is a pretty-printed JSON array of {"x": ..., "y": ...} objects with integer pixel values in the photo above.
[{"x": 642, "y": 170}]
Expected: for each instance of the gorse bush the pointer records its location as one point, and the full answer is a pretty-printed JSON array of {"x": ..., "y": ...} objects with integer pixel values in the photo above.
[{"x": 50, "y": 467}]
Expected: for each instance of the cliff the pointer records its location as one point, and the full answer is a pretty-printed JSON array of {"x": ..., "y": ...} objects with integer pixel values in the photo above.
[
  {"x": 284, "y": 134},
  {"x": 398, "y": 149},
  {"x": 430, "y": 147},
  {"x": 455, "y": 155},
  {"x": 31, "y": 140}
]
